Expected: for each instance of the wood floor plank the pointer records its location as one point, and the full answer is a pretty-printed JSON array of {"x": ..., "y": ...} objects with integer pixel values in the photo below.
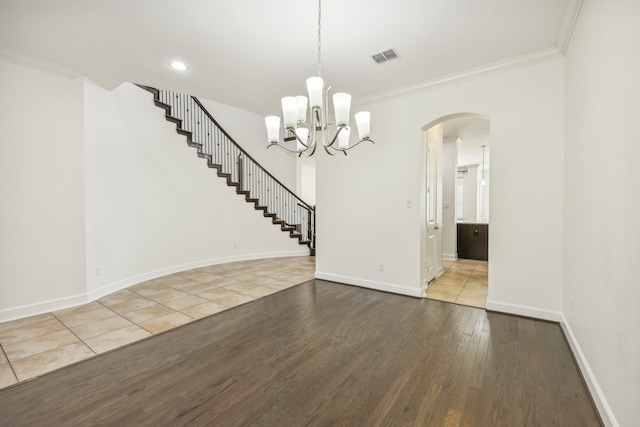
[{"x": 321, "y": 354}]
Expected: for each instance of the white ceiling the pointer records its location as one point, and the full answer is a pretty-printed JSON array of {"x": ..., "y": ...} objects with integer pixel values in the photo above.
[{"x": 250, "y": 53}]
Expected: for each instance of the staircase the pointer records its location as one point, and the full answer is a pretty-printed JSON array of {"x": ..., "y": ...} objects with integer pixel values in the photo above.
[{"x": 238, "y": 168}]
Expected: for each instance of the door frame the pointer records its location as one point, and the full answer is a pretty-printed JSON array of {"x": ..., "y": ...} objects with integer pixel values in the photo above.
[{"x": 423, "y": 207}]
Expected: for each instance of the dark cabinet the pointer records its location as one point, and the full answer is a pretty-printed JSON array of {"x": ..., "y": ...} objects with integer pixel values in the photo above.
[{"x": 473, "y": 241}]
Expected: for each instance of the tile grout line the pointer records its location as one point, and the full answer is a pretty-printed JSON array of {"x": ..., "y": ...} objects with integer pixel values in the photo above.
[
  {"x": 173, "y": 309},
  {"x": 41, "y": 352},
  {"x": 74, "y": 334},
  {"x": 116, "y": 314},
  {"x": 198, "y": 295},
  {"x": 127, "y": 319},
  {"x": 136, "y": 323},
  {"x": 191, "y": 294},
  {"x": 467, "y": 279},
  {"x": 10, "y": 364}
]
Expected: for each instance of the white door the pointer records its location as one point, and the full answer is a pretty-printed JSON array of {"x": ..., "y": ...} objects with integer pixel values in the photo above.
[{"x": 431, "y": 217}]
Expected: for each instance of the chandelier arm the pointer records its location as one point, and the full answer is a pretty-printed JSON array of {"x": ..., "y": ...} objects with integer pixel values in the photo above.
[
  {"x": 337, "y": 150},
  {"x": 293, "y": 131},
  {"x": 307, "y": 153},
  {"x": 325, "y": 138},
  {"x": 325, "y": 117},
  {"x": 344, "y": 150},
  {"x": 273, "y": 144},
  {"x": 313, "y": 125},
  {"x": 326, "y": 148},
  {"x": 363, "y": 140},
  {"x": 335, "y": 138}
]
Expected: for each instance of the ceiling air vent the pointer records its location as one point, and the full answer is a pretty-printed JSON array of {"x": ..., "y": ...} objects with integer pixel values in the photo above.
[{"x": 385, "y": 56}]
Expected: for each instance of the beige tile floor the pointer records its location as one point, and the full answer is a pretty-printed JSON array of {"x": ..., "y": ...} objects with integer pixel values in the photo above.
[
  {"x": 464, "y": 281},
  {"x": 32, "y": 346}
]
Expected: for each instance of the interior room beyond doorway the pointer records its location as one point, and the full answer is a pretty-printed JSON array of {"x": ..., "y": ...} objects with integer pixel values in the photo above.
[{"x": 464, "y": 163}]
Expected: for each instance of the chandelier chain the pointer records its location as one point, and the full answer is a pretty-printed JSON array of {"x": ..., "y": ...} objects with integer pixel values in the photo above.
[{"x": 319, "y": 38}]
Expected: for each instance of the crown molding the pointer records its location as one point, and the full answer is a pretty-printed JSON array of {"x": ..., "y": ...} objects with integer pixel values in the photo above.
[
  {"x": 569, "y": 19},
  {"x": 38, "y": 64},
  {"x": 470, "y": 74}
]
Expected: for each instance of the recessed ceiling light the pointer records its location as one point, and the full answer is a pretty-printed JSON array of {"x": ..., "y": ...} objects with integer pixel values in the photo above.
[{"x": 177, "y": 65}]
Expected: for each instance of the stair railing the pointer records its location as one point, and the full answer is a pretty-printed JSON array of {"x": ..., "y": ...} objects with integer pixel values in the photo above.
[{"x": 240, "y": 169}]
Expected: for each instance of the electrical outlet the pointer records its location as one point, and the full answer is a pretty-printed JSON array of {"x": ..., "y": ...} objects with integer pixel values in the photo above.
[
  {"x": 381, "y": 266},
  {"x": 98, "y": 272},
  {"x": 572, "y": 303}
]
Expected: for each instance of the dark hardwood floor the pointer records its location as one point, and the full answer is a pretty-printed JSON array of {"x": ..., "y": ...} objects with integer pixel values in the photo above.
[{"x": 322, "y": 354}]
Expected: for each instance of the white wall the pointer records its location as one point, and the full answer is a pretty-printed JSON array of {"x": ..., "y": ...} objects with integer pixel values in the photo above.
[
  {"x": 449, "y": 176},
  {"x": 362, "y": 214},
  {"x": 42, "y": 240},
  {"x": 602, "y": 203},
  {"x": 153, "y": 206},
  {"x": 306, "y": 178},
  {"x": 98, "y": 192}
]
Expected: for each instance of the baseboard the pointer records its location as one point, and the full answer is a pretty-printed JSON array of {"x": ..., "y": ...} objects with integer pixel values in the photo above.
[
  {"x": 378, "y": 286},
  {"x": 599, "y": 400},
  {"x": 72, "y": 301},
  {"x": 523, "y": 310},
  {"x": 597, "y": 395},
  {"x": 125, "y": 283},
  {"x": 34, "y": 309},
  {"x": 450, "y": 257}
]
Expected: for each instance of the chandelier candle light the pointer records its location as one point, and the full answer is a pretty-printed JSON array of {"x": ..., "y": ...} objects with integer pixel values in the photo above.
[{"x": 307, "y": 119}]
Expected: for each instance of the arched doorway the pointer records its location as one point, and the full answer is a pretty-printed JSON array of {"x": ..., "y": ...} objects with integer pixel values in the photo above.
[{"x": 455, "y": 193}]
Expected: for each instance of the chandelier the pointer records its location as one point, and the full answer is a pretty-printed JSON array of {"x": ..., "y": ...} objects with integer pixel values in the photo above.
[{"x": 306, "y": 120}]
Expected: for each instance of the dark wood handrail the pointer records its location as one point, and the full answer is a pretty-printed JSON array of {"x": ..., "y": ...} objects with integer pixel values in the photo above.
[
  {"x": 197, "y": 101},
  {"x": 268, "y": 196}
]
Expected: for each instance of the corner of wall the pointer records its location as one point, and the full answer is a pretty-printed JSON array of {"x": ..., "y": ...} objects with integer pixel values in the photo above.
[
  {"x": 526, "y": 311},
  {"x": 411, "y": 291},
  {"x": 597, "y": 394}
]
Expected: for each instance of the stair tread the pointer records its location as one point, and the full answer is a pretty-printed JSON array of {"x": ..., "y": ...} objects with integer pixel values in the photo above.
[{"x": 292, "y": 229}]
